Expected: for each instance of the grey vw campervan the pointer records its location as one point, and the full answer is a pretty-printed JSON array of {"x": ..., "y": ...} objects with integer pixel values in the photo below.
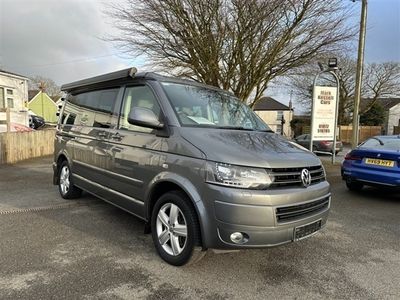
[{"x": 197, "y": 165}]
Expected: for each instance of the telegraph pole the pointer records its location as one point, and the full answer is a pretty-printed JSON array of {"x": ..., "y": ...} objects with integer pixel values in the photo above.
[{"x": 360, "y": 61}]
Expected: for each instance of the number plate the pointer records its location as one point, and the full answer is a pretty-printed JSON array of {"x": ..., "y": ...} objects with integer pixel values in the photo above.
[
  {"x": 304, "y": 231},
  {"x": 380, "y": 162}
]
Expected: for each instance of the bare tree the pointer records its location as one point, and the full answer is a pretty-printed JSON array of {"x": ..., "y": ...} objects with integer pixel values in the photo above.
[
  {"x": 239, "y": 45},
  {"x": 380, "y": 80},
  {"x": 46, "y": 85}
]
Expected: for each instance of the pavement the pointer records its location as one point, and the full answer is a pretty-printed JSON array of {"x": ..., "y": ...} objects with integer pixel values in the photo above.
[{"x": 52, "y": 248}]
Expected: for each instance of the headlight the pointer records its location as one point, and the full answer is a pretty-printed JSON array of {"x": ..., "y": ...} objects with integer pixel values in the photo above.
[{"x": 236, "y": 176}]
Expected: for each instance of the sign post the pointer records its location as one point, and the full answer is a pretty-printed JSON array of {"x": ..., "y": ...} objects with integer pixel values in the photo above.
[{"x": 325, "y": 106}]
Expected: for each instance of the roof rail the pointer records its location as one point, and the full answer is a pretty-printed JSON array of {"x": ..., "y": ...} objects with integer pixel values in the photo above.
[{"x": 121, "y": 74}]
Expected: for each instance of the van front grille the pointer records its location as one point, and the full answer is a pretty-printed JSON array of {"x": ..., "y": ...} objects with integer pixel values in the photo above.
[
  {"x": 295, "y": 212},
  {"x": 285, "y": 177}
]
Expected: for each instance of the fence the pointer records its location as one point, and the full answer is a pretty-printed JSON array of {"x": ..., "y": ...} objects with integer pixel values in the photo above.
[
  {"x": 345, "y": 132},
  {"x": 16, "y": 146},
  {"x": 365, "y": 132}
]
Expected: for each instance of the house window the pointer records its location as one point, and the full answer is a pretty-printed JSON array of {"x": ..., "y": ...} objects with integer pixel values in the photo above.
[
  {"x": 6, "y": 98},
  {"x": 278, "y": 129},
  {"x": 10, "y": 102},
  {"x": 279, "y": 115},
  {"x": 2, "y": 104}
]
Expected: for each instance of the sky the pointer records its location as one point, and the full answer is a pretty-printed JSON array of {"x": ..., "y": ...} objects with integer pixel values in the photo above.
[{"x": 63, "y": 39}]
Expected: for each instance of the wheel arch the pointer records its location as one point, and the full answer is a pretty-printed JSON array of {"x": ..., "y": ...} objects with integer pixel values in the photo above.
[
  {"x": 61, "y": 156},
  {"x": 166, "y": 182}
]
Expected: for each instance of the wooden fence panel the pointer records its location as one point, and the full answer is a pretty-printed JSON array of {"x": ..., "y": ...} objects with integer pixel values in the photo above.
[
  {"x": 365, "y": 132},
  {"x": 17, "y": 146}
]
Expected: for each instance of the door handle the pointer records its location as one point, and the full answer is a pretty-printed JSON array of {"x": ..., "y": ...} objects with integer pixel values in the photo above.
[{"x": 117, "y": 136}]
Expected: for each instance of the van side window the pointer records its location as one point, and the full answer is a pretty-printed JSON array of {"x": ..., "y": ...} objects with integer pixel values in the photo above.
[
  {"x": 138, "y": 96},
  {"x": 92, "y": 109}
]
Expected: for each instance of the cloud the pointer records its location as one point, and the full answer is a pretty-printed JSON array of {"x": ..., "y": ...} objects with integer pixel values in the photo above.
[{"x": 60, "y": 39}]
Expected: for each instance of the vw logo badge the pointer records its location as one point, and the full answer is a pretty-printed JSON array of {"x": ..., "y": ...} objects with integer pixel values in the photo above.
[{"x": 305, "y": 177}]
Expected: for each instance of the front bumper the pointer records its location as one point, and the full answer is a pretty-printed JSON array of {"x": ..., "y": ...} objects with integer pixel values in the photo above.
[{"x": 254, "y": 213}]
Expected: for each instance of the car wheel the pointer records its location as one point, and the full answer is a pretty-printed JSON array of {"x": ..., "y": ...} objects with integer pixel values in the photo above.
[
  {"x": 353, "y": 185},
  {"x": 66, "y": 186},
  {"x": 175, "y": 228}
]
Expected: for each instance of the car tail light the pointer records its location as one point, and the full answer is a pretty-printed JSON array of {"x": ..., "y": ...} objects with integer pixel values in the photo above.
[{"x": 351, "y": 156}]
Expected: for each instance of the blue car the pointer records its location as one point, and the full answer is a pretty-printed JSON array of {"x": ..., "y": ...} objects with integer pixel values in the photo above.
[{"x": 375, "y": 162}]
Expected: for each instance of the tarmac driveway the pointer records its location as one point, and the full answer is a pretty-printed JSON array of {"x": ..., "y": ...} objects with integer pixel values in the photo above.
[{"x": 87, "y": 249}]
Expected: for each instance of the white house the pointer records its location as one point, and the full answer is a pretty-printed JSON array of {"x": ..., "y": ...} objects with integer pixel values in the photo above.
[
  {"x": 273, "y": 113},
  {"x": 391, "y": 106},
  {"x": 14, "y": 95},
  {"x": 393, "y": 116}
]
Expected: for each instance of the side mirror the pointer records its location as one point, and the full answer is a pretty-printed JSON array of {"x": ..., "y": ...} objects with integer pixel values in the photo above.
[{"x": 144, "y": 117}]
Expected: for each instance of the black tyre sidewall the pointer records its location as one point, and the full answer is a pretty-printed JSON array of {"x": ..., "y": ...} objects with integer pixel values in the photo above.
[{"x": 182, "y": 201}]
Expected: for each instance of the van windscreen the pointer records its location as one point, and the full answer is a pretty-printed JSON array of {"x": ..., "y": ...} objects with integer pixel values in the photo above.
[{"x": 201, "y": 107}]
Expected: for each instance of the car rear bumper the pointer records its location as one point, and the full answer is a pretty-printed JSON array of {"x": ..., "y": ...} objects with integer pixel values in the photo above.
[{"x": 370, "y": 177}]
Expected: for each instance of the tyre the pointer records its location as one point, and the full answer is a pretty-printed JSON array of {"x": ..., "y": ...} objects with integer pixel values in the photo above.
[
  {"x": 66, "y": 185},
  {"x": 353, "y": 185},
  {"x": 175, "y": 228}
]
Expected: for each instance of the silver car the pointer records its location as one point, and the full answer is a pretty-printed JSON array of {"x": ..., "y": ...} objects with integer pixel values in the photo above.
[{"x": 196, "y": 164}]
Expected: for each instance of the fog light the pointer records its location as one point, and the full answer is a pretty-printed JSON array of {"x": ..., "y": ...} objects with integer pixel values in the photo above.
[{"x": 237, "y": 237}]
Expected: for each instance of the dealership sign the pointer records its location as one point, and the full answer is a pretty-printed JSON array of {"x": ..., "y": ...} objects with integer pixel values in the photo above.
[{"x": 324, "y": 113}]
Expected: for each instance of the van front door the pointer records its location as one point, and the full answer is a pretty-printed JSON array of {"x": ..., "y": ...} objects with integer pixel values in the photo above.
[{"x": 135, "y": 150}]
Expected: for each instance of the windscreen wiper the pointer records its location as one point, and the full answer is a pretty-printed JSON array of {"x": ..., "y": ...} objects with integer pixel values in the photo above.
[
  {"x": 266, "y": 130},
  {"x": 235, "y": 128}
]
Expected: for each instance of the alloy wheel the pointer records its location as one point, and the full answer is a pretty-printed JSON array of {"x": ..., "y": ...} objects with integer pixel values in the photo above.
[
  {"x": 64, "y": 180},
  {"x": 171, "y": 229}
]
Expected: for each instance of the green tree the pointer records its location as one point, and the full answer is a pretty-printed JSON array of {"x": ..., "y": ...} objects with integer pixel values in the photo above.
[{"x": 375, "y": 116}]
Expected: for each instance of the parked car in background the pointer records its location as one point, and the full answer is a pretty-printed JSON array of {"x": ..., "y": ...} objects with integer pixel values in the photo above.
[
  {"x": 35, "y": 121},
  {"x": 375, "y": 162},
  {"x": 321, "y": 146}
]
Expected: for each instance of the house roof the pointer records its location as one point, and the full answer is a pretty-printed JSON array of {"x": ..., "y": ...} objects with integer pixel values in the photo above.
[
  {"x": 387, "y": 103},
  {"x": 268, "y": 103},
  {"x": 32, "y": 94},
  {"x": 41, "y": 98},
  {"x": 13, "y": 74}
]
